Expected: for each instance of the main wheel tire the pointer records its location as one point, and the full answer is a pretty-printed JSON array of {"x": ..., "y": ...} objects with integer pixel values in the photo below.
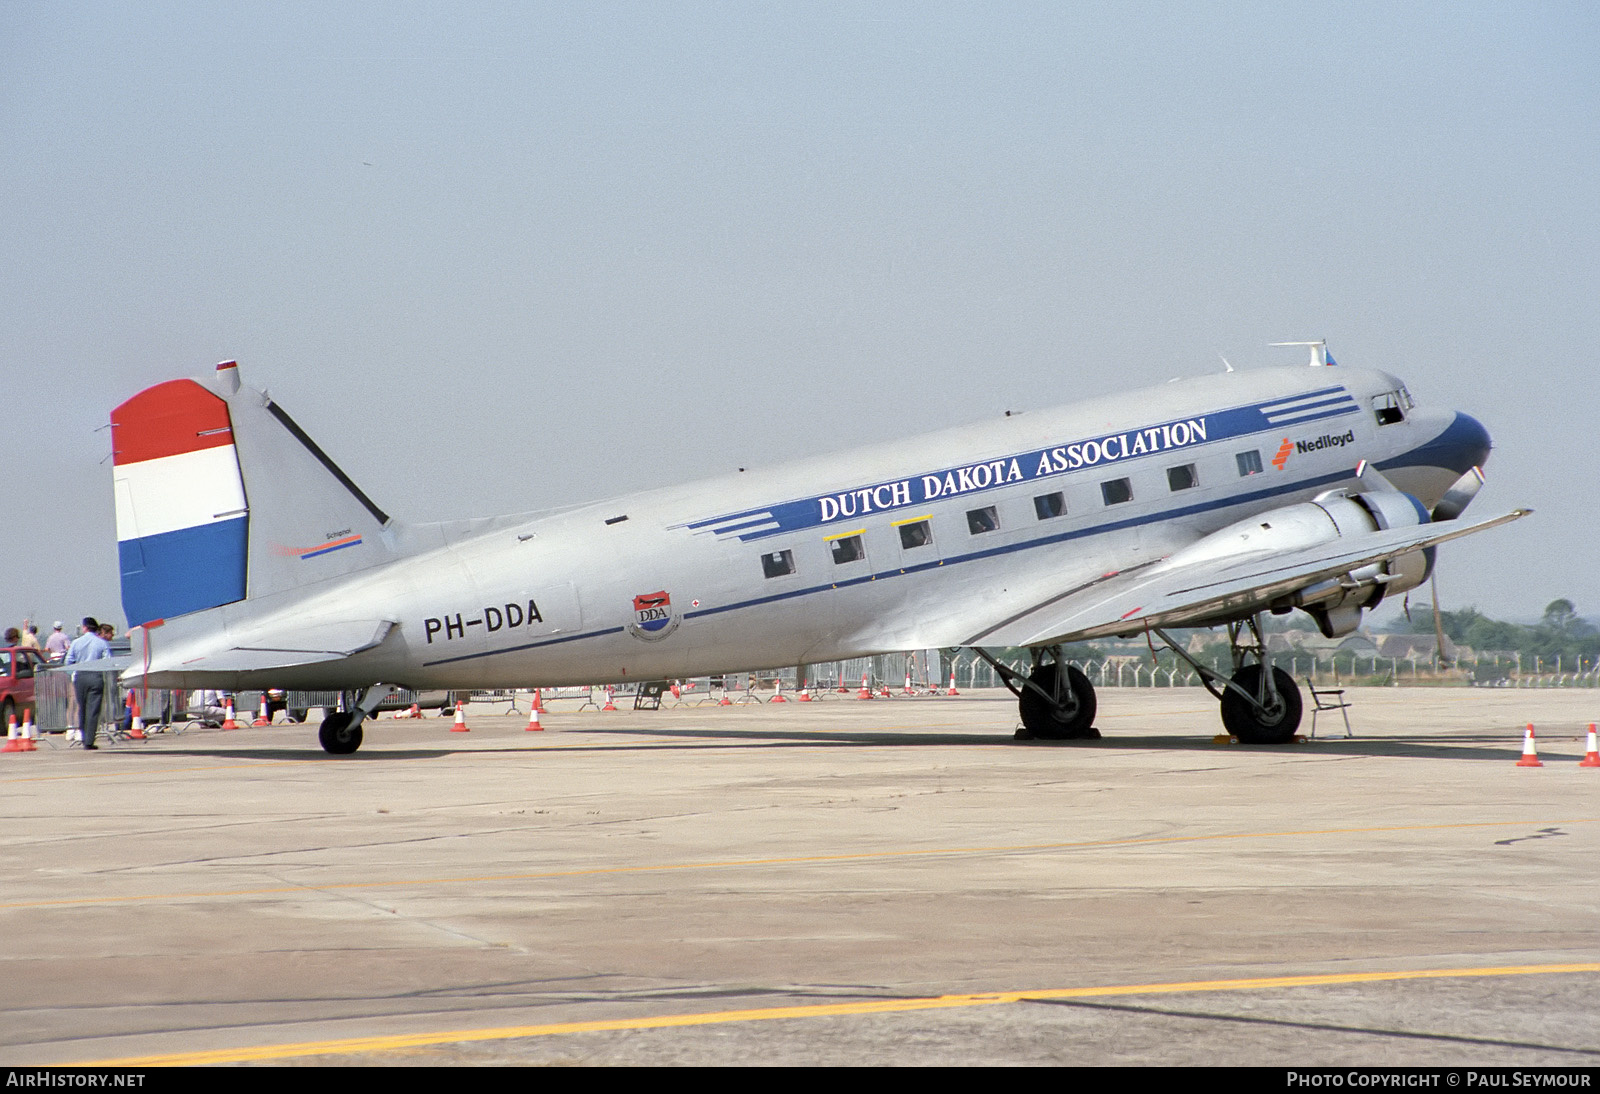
[
  {"x": 1274, "y": 726},
  {"x": 338, "y": 735},
  {"x": 1072, "y": 720}
]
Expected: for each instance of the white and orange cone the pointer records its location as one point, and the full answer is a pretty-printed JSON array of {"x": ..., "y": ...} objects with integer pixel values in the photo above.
[
  {"x": 533, "y": 720},
  {"x": 261, "y": 715},
  {"x": 866, "y": 690},
  {"x": 908, "y": 690},
  {"x": 136, "y": 726},
  {"x": 1591, "y": 754},
  {"x": 461, "y": 720},
  {"x": 13, "y": 737},
  {"x": 952, "y": 690},
  {"x": 610, "y": 699},
  {"x": 538, "y": 700},
  {"x": 228, "y": 722},
  {"x": 1530, "y": 756},
  {"x": 30, "y": 732},
  {"x": 805, "y": 694},
  {"x": 778, "y": 698}
]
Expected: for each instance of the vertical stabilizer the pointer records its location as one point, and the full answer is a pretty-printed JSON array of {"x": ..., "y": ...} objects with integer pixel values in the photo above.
[{"x": 222, "y": 497}]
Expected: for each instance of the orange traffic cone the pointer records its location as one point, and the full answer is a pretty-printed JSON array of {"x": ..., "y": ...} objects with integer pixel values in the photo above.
[
  {"x": 30, "y": 732},
  {"x": 778, "y": 698},
  {"x": 538, "y": 700},
  {"x": 952, "y": 690},
  {"x": 805, "y": 694},
  {"x": 1530, "y": 757},
  {"x": 228, "y": 722},
  {"x": 533, "y": 720},
  {"x": 1591, "y": 755},
  {"x": 136, "y": 726},
  {"x": 610, "y": 700},
  {"x": 461, "y": 720},
  {"x": 13, "y": 737},
  {"x": 866, "y": 691},
  {"x": 261, "y": 715}
]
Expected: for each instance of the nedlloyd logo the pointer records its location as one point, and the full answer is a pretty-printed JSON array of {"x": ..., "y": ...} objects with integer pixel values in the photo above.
[
  {"x": 653, "y": 617},
  {"x": 1327, "y": 440},
  {"x": 1282, "y": 458}
]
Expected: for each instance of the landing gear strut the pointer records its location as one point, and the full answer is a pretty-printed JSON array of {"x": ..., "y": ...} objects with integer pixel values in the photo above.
[
  {"x": 1260, "y": 702},
  {"x": 1056, "y": 700},
  {"x": 340, "y": 732}
]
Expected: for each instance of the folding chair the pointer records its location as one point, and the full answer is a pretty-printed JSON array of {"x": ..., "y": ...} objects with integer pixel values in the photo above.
[{"x": 1328, "y": 699}]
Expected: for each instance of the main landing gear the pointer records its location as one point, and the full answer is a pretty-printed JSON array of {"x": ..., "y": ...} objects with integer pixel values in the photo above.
[
  {"x": 1260, "y": 702},
  {"x": 1056, "y": 700},
  {"x": 340, "y": 732}
]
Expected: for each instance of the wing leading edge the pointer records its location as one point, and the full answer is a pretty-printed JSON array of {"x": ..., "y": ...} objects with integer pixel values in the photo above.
[{"x": 1204, "y": 593}]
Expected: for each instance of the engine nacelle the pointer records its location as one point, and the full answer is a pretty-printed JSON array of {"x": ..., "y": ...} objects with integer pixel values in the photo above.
[{"x": 1337, "y": 603}]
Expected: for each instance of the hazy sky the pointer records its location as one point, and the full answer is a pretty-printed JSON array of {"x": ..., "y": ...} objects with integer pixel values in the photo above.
[{"x": 502, "y": 257}]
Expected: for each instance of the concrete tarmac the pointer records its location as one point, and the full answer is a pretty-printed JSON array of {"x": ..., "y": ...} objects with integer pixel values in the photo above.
[{"x": 839, "y": 882}]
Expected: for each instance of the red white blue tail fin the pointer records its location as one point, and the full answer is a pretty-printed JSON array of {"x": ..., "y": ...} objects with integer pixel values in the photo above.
[
  {"x": 182, "y": 521},
  {"x": 221, "y": 497}
]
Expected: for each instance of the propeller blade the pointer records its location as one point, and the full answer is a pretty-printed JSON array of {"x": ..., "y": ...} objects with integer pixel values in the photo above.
[
  {"x": 1373, "y": 480},
  {"x": 1459, "y": 496}
]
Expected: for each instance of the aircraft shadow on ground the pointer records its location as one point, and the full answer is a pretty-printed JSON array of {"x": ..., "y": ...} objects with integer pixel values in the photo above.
[{"x": 1497, "y": 747}]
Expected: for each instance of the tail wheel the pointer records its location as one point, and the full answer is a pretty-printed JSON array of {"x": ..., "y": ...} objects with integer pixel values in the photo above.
[
  {"x": 338, "y": 735},
  {"x": 1273, "y": 725},
  {"x": 1072, "y": 718}
]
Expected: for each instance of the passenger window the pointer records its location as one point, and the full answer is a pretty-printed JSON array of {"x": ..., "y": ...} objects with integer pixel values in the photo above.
[
  {"x": 1117, "y": 491},
  {"x": 982, "y": 520},
  {"x": 1182, "y": 478},
  {"x": 847, "y": 548},
  {"x": 1249, "y": 463},
  {"x": 1388, "y": 409},
  {"x": 778, "y": 563},
  {"x": 1050, "y": 505},
  {"x": 916, "y": 533}
]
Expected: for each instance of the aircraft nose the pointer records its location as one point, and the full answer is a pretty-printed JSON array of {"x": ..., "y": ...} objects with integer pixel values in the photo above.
[{"x": 1466, "y": 443}]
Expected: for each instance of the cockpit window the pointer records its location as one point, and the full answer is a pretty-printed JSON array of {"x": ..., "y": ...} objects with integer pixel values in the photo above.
[{"x": 1391, "y": 406}]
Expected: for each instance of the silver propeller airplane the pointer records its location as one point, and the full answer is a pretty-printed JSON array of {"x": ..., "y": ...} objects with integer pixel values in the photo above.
[{"x": 249, "y": 559}]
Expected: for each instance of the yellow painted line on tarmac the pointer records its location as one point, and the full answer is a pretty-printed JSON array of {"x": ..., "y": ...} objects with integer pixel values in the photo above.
[
  {"x": 351, "y": 1045},
  {"x": 795, "y": 860}
]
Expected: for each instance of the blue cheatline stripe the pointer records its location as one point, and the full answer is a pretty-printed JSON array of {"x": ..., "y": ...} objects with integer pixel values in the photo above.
[
  {"x": 188, "y": 570},
  {"x": 954, "y": 560},
  {"x": 524, "y": 646},
  {"x": 330, "y": 550}
]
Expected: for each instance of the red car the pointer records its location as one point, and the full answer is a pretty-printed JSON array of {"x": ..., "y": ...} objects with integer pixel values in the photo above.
[{"x": 18, "y": 666}]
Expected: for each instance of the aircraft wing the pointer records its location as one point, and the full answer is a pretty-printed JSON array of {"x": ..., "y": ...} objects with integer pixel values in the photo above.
[{"x": 1209, "y": 592}]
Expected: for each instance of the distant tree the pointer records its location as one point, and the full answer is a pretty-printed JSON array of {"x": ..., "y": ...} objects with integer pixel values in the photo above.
[{"x": 1561, "y": 618}]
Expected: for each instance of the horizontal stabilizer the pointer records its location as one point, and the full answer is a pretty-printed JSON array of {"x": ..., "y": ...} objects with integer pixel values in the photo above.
[
  {"x": 308, "y": 645},
  {"x": 104, "y": 664},
  {"x": 1202, "y": 593}
]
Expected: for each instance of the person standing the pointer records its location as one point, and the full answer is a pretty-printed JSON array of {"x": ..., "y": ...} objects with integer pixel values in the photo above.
[
  {"x": 30, "y": 635},
  {"x": 90, "y": 687},
  {"x": 56, "y": 645}
]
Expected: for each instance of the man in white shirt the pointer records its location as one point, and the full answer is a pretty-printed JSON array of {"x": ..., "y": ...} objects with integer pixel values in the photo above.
[{"x": 89, "y": 686}]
